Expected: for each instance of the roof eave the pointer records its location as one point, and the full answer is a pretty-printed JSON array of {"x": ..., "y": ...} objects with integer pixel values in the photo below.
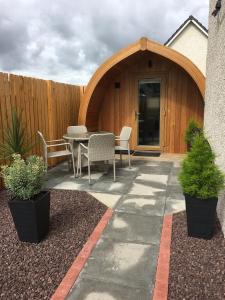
[{"x": 191, "y": 19}]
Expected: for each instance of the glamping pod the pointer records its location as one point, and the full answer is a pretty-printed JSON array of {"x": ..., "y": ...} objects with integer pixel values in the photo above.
[{"x": 151, "y": 88}]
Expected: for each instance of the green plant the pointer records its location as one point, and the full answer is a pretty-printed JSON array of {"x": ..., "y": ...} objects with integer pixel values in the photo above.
[
  {"x": 200, "y": 177},
  {"x": 14, "y": 140},
  {"x": 192, "y": 129},
  {"x": 24, "y": 178}
]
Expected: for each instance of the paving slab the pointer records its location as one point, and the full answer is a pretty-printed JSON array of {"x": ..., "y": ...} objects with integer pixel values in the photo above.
[
  {"x": 173, "y": 180},
  {"x": 108, "y": 199},
  {"x": 89, "y": 289},
  {"x": 155, "y": 163},
  {"x": 154, "y": 170},
  {"x": 163, "y": 168},
  {"x": 174, "y": 189},
  {"x": 134, "y": 228},
  {"x": 124, "y": 172},
  {"x": 69, "y": 183},
  {"x": 158, "y": 180},
  {"x": 120, "y": 186},
  {"x": 142, "y": 205},
  {"x": 149, "y": 184},
  {"x": 140, "y": 162},
  {"x": 133, "y": 265},
  {"x": 176, "y": 196},
  {"x": 62, "y": 168},
  {"x": 52, "y": 183},
  {"x": 174, "y": 206}
]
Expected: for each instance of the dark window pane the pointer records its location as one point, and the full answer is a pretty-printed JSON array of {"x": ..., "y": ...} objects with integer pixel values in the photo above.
[{"x": 149, "y": 113}]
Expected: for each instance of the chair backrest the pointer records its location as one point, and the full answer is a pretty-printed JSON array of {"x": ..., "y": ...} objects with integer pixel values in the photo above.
[
  {"x": 125, "y": 136},
  {"x": 101, "y": 147},
  {"x": 45, "y": 149},
  {"x": 42, "y": 138},
  {"x": 76, "y": 129}
]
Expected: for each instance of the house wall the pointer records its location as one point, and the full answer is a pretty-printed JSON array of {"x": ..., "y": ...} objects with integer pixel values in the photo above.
[
  {"x": 215, "y": 94},
  {"x": 180, "y": 100},
  {"x": 192, "y": 43}
]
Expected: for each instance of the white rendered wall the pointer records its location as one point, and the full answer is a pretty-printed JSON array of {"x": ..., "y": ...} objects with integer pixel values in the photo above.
[
  {"x": 214, "y": 118},
  {"x": 192, "y": 43}
]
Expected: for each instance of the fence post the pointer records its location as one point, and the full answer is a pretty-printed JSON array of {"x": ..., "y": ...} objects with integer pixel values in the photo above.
[
  {"x": 51, "y": 119},
  {"x": 51, "y": 125}
]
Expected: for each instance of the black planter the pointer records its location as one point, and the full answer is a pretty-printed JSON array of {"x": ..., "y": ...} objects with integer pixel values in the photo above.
[
  {"x": 201, "y": 215},
  {"x": 31, "y": 217}
]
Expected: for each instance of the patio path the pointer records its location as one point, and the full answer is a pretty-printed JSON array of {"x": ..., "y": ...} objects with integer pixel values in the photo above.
[{"x": 123, "y": 264}]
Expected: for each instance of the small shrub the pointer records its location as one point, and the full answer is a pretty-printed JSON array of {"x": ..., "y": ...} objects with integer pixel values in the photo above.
[
  {"x": 24, "y": 178},
  {"x": 15, "y": 138},
  {"x": 192, "y": 129},
  {"x": 200, "y": 177}
]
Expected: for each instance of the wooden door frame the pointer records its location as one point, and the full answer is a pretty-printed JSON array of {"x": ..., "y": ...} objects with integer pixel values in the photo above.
[{"x": 161, "y": 76}]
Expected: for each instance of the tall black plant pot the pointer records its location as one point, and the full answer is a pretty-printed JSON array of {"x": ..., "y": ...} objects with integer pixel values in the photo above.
[
  {"x": 201, "y": 215},
  {"x": 31, "y": 217}
]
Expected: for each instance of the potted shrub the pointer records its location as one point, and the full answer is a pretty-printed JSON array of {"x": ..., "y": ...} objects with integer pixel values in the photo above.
[
  {"x": 29, "y": 205},
  {"x": 192, "y": 129},
  {"x": 201, "y": 181}
]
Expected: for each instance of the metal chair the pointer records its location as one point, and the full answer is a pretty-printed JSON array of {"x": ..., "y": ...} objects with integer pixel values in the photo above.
[
  {"x": 54, "y": 154},
  {"x": 123, "y": 140},
  {"x": 101, "y": 147},
  {"x": 76, "y": 129}
]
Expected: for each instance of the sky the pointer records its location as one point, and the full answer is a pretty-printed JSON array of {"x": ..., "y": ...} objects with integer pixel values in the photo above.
[{"x": 66, "y": 40}]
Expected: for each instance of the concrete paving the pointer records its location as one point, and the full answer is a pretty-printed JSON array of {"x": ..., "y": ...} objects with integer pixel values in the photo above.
[
  {"x": 109, "y": 200},
  {"x": 91, "y": 289},
  {"x": 130, "y": 227},
  {"x": 142, "y": 205},
  {"x": 123, "y": 263}
]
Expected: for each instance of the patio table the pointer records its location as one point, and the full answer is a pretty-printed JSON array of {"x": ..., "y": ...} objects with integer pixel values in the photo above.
[{"x": 81, "y": 137}]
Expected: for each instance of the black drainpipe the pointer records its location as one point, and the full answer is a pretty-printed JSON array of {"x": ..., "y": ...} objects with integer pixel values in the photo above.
[{"x": 217, "y": 8}]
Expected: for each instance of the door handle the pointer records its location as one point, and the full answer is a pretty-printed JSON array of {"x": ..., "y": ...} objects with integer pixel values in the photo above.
[{"x": 137, "y": 114}]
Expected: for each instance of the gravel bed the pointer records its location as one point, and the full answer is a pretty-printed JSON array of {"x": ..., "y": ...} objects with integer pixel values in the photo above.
[
  {"x": 33, "y": 271},
  {"x": 197, "y": 266}
]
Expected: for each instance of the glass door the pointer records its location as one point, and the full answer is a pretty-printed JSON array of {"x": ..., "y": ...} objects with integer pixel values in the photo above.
[{"x": 148, "y": 115}]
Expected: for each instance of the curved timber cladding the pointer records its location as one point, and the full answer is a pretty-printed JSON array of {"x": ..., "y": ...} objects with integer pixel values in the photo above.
[{"x": 107, "y": 107}]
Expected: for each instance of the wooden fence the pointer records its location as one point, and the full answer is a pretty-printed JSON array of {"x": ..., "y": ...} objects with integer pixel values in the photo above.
[{"x": 45, "y": 105}]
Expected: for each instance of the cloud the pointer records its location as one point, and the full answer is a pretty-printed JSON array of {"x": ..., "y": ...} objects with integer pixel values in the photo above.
[{"x": 67, "y": 40}]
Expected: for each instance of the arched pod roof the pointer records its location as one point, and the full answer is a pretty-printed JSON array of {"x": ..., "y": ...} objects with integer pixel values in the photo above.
[{"x": 143, "y": 44}]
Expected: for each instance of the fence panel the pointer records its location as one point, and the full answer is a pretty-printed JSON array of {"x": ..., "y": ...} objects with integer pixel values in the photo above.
[{"x": 45, "y": 105}]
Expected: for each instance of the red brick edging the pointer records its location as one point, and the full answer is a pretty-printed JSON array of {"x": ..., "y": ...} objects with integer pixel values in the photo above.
[
  {"x": 162, "y": 274},
  {"x": 73, "y": 272}
]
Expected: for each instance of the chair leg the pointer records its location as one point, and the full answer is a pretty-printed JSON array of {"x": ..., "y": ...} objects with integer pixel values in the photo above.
[
  {"x": 46, "y": 163},
  {"x": 80, "y": 168},
  {"x": 89, "y": 173},
  {"x": 129, "y": 157},
  {"x": 78, "y": 163},
  {"x": 69, "y": 164},
  {"x": 73, "y": 161},
  {"x": 74, "y": 168},
  {"x": 114, "y": 170},
  {"x": 121, "y": 159}
]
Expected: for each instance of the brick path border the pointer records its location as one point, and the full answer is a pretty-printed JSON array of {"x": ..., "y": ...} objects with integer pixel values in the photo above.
[
  {"x": 162, "y": 273},
  {"x": 78, "y": 264}
]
